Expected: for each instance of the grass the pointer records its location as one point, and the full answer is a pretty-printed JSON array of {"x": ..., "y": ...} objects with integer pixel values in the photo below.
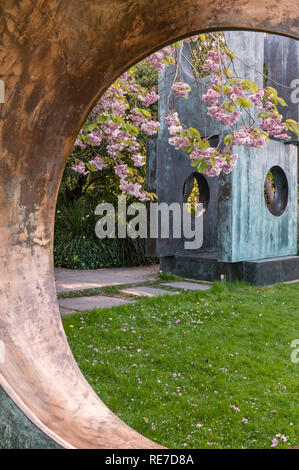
[
  {"x": 168, "y": 277},
  {"x": 166, "y": 364},
  {"x": 79, "y": 293}
]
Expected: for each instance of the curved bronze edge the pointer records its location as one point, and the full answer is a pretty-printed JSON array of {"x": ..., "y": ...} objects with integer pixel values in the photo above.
[{"x": 31, "y": 416}]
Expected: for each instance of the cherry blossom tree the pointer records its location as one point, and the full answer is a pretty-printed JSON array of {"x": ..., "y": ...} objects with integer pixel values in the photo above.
[{"x": 125, "y": 116}]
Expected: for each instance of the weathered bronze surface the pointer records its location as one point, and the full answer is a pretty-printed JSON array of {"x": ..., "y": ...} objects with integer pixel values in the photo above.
[{"x": 56, "y": 58}]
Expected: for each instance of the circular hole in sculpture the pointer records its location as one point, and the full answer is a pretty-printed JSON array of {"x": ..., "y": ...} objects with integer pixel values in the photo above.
[
  {"x": 276, "y": 191},
  {"x": 196, "y": 190}
]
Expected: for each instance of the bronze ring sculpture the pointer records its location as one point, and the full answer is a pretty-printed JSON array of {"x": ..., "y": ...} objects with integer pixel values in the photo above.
[{"x": 56, "y": 58}]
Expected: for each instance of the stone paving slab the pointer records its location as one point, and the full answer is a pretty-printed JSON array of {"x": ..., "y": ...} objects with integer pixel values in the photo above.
[
  {"x": 188, "y": 285},
  {"x": 71, "y": 280},
  {"x": 89, "y": 303},
  {"x": 66, "y": 311},
  {"x": 144, "y": 291}
]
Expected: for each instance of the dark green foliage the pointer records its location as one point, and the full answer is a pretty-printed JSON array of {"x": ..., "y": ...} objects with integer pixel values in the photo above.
[{"x": 77, "y": 247}]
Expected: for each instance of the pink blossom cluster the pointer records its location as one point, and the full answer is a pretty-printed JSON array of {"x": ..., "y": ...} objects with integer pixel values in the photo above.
[
  {"x": 80, "y": 168},
  {"x": 149, "y": 99},
  {"x": 181, "y": 89},
  {"x": 232, "y": 163},
  {"x": 234, "y": 92},
  {"x": 178, "y": 139},
  {"x": 179, "y": 142},
  {"x": 98, "y": 163},
  {"x": 249, "y": 137},
  {"x": 113, "y": 101},
  {"x": 211, "y": 66},
  {"x": 211, "y": 96},
  {"x": 228, "y": 115},
  {"x": 79, "y": 143},
  {"x": 268, "y": 104},
  {"x": 134, "y": 189},
  {"x": 212, "y": 61},
  {"x": 94, "y": 138},
  {"x": 138, "y": 160},
  {"x": 202, "y": 153},
  {"x": 220, "y": 165},
  {"x": 216, "y": 79},
  {"x": 157, "y": 59},
  {"x": 136, "y": 117},
  {"x": 257, "y": 98},
  {"x": 121, "y": 171},
  {"x": 172, "y": 119},
  {"x": 275, "y": 127},
  {"x": 216, "y": 169},
  {"x": 217, "y": 110},
  {"x": 191, "y": 39},
  {"x": 175, "y": 130},
  {"x": 219, "y": 113},
  {"x": 117, "y": 139},
  {"x": 150, "y": 127}
]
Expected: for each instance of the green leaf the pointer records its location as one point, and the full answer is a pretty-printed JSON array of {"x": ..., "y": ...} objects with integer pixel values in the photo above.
[
  {"x": 250, "y": 85},
  {"x": 263, "y": 114},
  {"x": 117, "y": 120},
  {"x": 102, "y": 118},
  {"x": 230, "y": 54},
  {"x": 92, "y": 127},
  {"x": 281, "y": 101},
  {"x": 90, "y": 167},
  {"x": 272, "y": 91},
  {"x": 194, "y": 134},
  {"x": 293, "y": 126},
  {"x": 201, "y": 165},
  {"x": 131, "y": 128},
  {"x": 228, "y": 139},
  {"x": 84, "y": 138},
  {"x": 243, "y": 102},
  {"x": 228, "y": 72},
  {"x": 189, "y": 149},
  {"x": 143, "y": 111}
]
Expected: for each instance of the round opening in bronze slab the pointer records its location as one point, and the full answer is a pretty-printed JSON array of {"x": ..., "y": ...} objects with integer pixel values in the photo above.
[
  {"x": 196, "y": 190},
  {"x": 276, "y": 191}
]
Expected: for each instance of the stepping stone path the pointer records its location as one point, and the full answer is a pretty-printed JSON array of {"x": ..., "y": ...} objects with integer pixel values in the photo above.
[
  {"x": 69, "y": 306},
  {"x": 144, "y": 291},
  {"x": 188, "y": 285},
  {"x": 72, "y": 280},
  {"x": 67, "y": 280}
]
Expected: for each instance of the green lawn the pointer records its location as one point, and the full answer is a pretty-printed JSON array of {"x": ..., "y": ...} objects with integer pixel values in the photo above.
[{"x": 168, "y": 364}]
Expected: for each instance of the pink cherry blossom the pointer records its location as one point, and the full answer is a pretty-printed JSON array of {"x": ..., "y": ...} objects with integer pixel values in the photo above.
[
  {"x": 181, "y": 89},
  {"x": 274, "y": 442},
  {"x": 98, "y": 163}
]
